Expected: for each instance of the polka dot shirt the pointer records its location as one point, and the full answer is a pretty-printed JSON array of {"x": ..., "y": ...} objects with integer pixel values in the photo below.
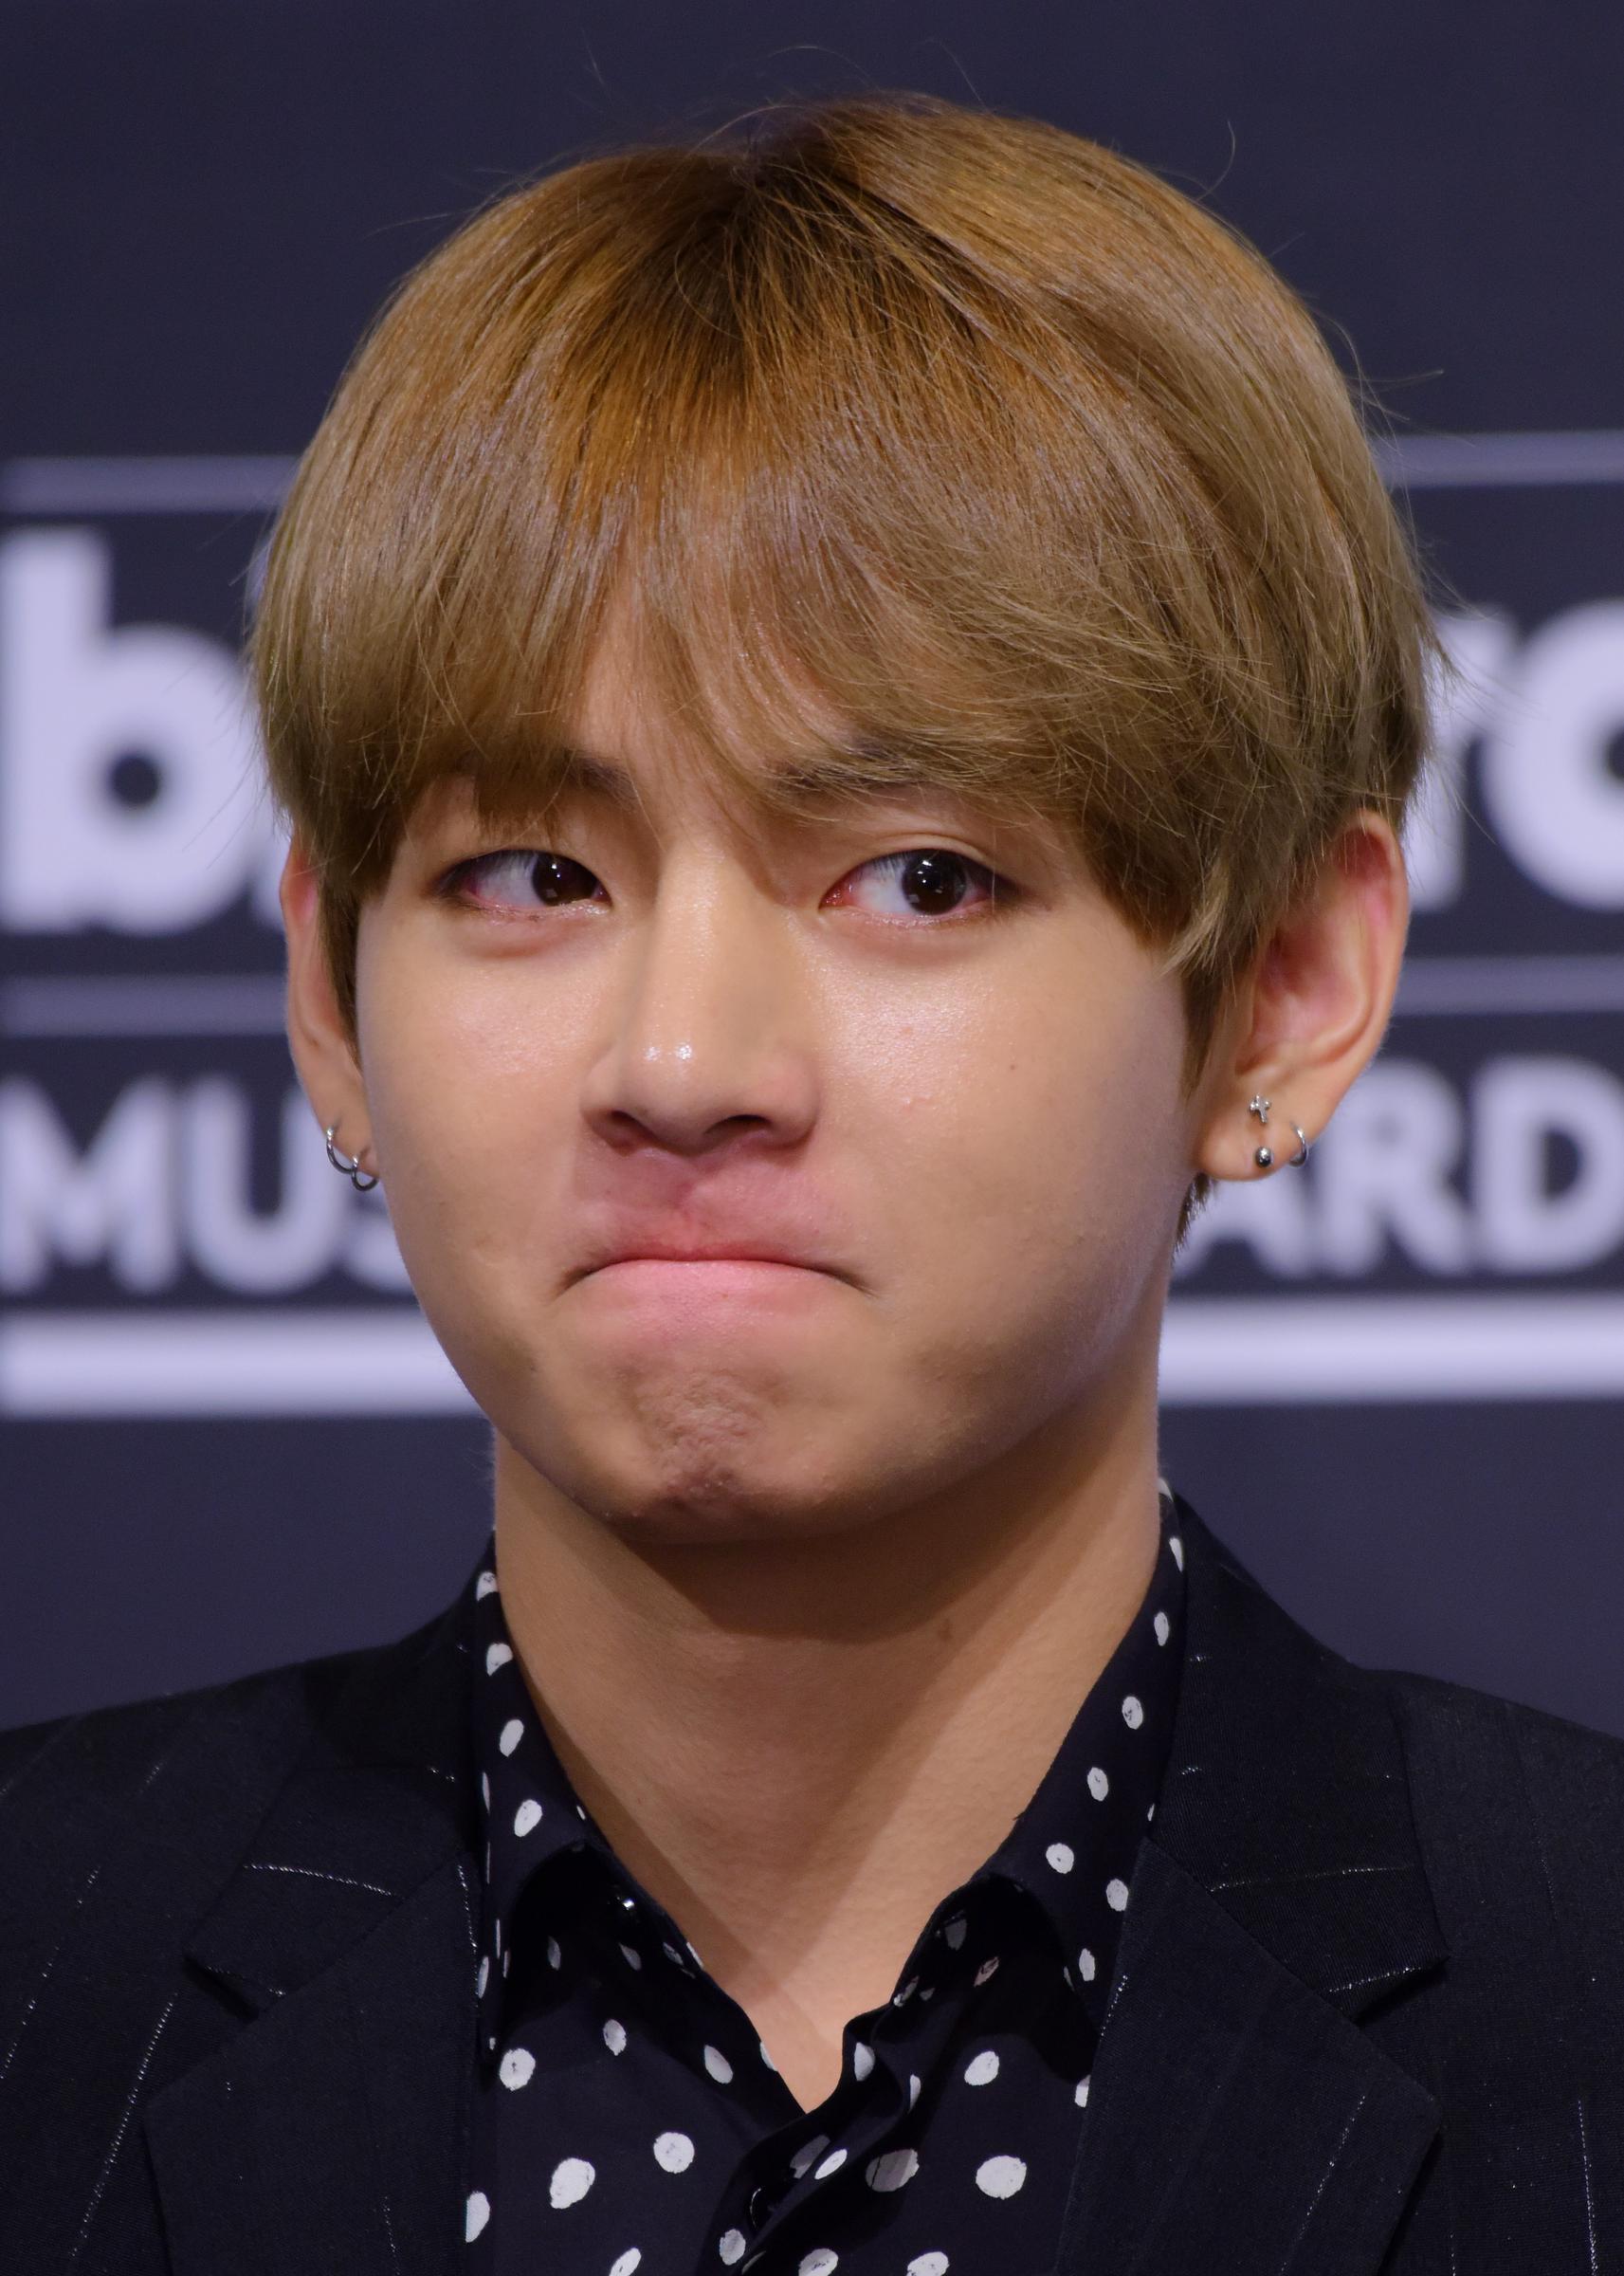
[{"x": 628, "y": 2117}]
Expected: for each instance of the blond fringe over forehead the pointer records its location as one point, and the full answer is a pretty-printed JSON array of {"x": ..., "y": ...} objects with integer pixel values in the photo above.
[{"x": 1031, "y": 468}]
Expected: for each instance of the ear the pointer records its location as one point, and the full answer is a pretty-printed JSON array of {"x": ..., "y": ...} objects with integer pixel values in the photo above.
[
  {"x": 322, "y": 1050},
  {"x": 1314, "y": 1007}
]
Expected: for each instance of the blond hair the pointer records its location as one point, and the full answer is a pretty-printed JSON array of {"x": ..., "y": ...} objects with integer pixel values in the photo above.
[{"x": 1030, "y": 465}]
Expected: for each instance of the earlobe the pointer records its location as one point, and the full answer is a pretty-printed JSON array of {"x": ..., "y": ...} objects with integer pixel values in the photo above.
[
  {"x": 1263, "y": 1153},
  {"x": 1234, "y": 1150}
]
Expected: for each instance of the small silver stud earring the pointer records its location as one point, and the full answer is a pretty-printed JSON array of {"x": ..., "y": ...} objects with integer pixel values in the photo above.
[{"x": 1260, "y": 1106}]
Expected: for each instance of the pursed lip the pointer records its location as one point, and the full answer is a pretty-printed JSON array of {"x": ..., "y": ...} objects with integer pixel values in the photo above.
[{"x": 732, "y": 1250}]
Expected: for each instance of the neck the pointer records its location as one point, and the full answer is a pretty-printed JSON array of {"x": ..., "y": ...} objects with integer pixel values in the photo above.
[{"x": 800, "y": 1746}]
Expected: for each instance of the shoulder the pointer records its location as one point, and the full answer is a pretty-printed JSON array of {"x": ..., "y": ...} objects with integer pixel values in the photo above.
[
  {"x": 1519, "y": 1818},
  {"x": 108, "y": 1755},
  {"x": 1473, "y": 1760},
  {"x": 154, "y": 1793},
  {"x": 1514, "y": 1778},
  {"x": 202, "y": 1765},
  {"x": 1513, "y": 1816}
]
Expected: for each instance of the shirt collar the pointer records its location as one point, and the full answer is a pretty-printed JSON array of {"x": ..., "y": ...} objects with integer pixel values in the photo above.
[
  {"x": 1101, "y": 1785},
  {"x": 1100, "y": 1791},
  {"x": 533, "y": 1815}
]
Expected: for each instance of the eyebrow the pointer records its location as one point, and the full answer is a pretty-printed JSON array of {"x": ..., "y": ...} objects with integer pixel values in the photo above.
[
  {"x": 805, "y": 780},
  {"x": 595, "y": 776}
]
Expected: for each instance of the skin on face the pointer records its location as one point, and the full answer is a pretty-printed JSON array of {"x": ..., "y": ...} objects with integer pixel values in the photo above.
[
  {"x": 952, "y": 1089},
  {"x": 951, "y": 1085}
]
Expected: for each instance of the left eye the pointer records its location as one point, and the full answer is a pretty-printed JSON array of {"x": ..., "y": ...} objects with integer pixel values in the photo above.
[
  {"x": 928, "y": 880},
  {"x": 521, "y": 876}
]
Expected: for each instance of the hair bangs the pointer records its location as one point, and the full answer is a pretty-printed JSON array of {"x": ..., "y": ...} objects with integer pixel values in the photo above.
[{"x": 908, "y": 444}]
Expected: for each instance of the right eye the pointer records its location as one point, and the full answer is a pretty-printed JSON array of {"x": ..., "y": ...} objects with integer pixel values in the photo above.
[{"x": 518, "y": 878}]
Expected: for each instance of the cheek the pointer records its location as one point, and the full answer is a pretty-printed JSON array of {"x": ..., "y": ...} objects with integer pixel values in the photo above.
[
  {"x": 1032, "y": 1198},
  {"x": 1043, "y": 1128},
  {"x": 449, "y": 1050},
  {"x": 473, "y": 1105}
]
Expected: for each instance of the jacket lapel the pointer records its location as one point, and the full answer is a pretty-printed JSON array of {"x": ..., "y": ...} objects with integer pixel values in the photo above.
[
  {"x": 1237, "y": 2113},
  {"x": 330, "y": 2132}
]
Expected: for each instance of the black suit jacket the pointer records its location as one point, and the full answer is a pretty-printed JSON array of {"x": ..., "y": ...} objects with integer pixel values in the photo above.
[{"x": 1368, "y": 2013}]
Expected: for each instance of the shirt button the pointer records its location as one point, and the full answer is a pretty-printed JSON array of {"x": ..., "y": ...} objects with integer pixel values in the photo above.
[{"x": 757, "y": 2208}]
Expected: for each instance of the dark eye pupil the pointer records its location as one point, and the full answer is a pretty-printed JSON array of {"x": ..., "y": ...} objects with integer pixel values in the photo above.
[
  {"x": 555, "y": 877},
  {"x": 934, "y": 882}
]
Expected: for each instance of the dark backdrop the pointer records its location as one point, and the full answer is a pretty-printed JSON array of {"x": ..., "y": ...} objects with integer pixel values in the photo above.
[{"x": 1391, "y": 1382}]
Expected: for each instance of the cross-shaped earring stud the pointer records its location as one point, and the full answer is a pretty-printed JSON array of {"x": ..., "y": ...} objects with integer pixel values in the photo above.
[{"x": 1260, "y": 1107}]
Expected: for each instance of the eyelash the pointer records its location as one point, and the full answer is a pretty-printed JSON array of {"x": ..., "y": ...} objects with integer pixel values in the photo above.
[{"x": 1001, "y": 892}]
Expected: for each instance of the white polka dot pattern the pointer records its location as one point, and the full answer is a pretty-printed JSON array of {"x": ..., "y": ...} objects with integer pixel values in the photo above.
[
  {"x": 636, "y": 2123},
  {"x": 807, "y": 2157},
  {"x": 572, "y": 2178}
]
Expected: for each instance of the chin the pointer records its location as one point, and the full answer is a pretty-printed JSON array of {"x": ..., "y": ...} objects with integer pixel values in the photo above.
[
  {"x": 699, "y": 1493},
  {"x": 694, "y": 1506}
]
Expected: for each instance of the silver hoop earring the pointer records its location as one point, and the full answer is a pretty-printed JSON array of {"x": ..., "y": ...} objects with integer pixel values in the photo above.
[
  {"x": 351, "y": 1169},
  {"x": 1302, "y": 1154}
]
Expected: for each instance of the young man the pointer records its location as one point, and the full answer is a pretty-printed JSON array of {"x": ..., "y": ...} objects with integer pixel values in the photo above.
[{"x": 845, "y": 700}]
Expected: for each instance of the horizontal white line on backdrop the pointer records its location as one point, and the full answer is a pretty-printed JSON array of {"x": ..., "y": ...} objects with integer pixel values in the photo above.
[
  {"x": 256, "y": 482},
  {"x": 1334, "y": 1350},
  {"x": 226, "y": 1004},
  {"x": 1451, "y": 985},
  {"x": 368, "y": 1361},
  {"x": 1510, "y": 460},
  {"x": 251, "y": 483},
  {"x": 251, "y": 1003},
  {"x": 1217, "y": 1351}
]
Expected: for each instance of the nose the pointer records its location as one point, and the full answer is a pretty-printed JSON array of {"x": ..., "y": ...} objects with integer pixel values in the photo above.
[{"x": 708, "y": 1022}]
